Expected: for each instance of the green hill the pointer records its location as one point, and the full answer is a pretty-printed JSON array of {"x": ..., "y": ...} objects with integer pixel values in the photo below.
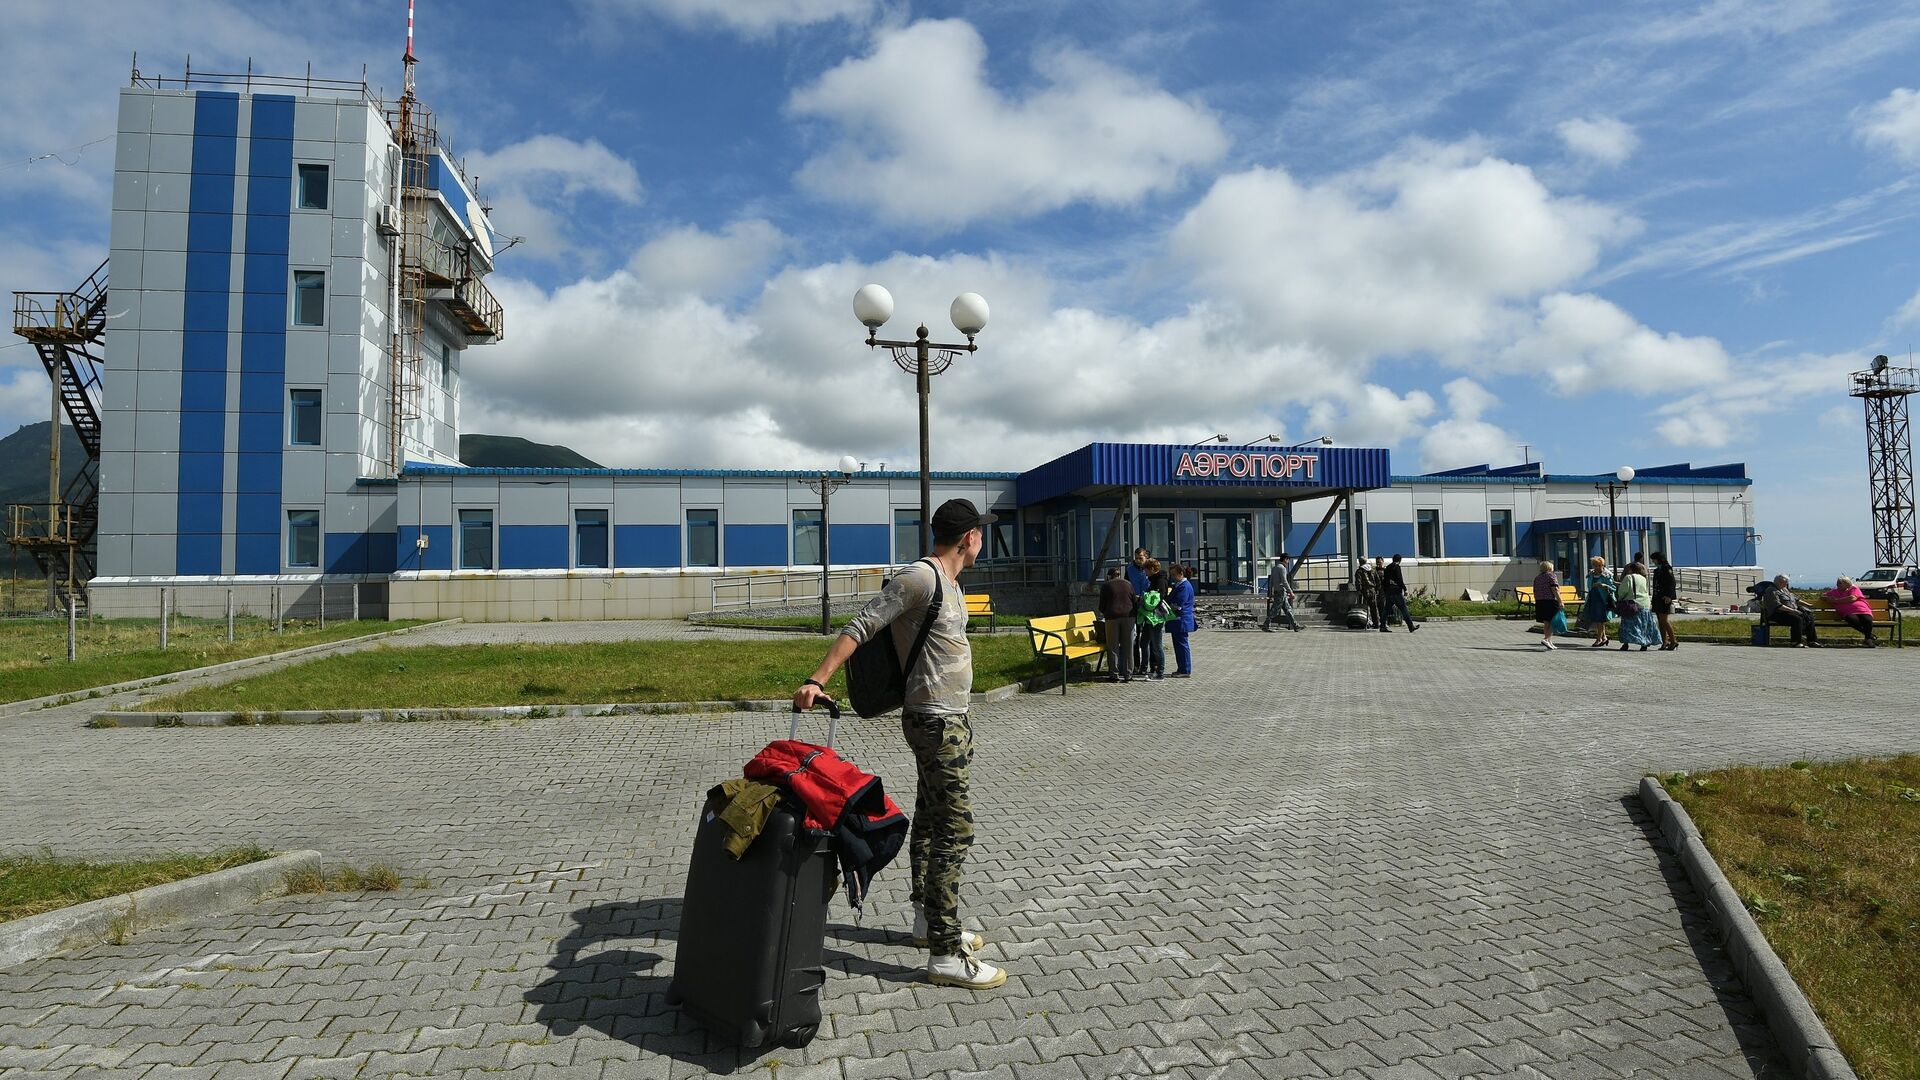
[
  {"x": 23, "y": 478},
  {"x": 511, "y": 452}
]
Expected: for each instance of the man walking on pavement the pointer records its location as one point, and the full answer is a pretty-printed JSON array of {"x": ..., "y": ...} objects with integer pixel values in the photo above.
[
  {"x": 1280, "y": 595},
  {"x": 934, "y": 720},
  {"x": 1393, "y": 597}
]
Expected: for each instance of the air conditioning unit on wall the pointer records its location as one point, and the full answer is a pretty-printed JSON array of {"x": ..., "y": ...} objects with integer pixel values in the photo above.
[{"x": 389, "y": 221}]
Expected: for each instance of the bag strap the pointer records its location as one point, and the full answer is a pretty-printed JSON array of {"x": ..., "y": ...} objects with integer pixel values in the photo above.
[{"x": 926, "y": 624}]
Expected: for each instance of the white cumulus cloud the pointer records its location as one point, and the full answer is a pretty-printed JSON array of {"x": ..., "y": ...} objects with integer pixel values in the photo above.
[
  {"x": 693, "y": 260},
  {"x": 1424, "y": 250},
  {"x": 1892, "y": 124},
  {"x": 534, "y": 183},
  {"x": 1582, "y": 343},
  {"x": 1602, "y": 139},
  {"x": 921, "y": 136},
  {"x": 1466, "y": 437}
]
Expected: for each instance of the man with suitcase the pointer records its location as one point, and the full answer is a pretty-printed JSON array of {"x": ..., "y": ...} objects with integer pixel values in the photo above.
[{"x": 939, "y": 691}]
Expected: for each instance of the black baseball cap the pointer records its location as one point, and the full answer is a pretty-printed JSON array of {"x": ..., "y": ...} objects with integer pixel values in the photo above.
[{"x": 955, "y": 517}]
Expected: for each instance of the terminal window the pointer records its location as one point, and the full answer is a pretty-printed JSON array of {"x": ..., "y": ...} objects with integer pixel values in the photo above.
[
  {"x": 703, "y": 538},
  {"x": 476, "y": 539},
  {"x": 303, "y": 539},
  {"x": 806, "y": 538},
  {"x": 309, "y": 298},
  {"x": 1426, "y": 534},
  {"x": 313, "y": 187},
  {"x": 906, "y": 536},
  {"x": 303, "y": 417},
  {"x": 590, "y": 539},
  {"x": 1500, "y": 522}
]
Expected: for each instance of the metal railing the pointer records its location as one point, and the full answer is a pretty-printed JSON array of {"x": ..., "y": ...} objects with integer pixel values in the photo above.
[
  {"x": 780, "y": 588},
  {"x": 249, "y": 79},
  {"x": 36, "y": 524}
]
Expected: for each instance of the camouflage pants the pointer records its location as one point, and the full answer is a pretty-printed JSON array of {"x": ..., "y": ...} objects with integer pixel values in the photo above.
[{"x": 942, "y": 821}]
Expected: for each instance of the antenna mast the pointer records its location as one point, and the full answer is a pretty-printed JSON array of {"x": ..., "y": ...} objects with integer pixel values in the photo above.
[{"x": 1884, "y": 389}]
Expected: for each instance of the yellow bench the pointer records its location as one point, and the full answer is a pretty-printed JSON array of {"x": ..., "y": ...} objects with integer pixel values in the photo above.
[
  {"x": 1886, "y": 616},
  {"x": 980, "y": 606},
  {"x": 1070, "y": 637},
  {"x": 1569, "y": 596}
]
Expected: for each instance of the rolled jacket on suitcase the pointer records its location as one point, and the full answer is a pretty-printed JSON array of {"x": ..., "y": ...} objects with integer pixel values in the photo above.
[{"x": 753, "y": 930}]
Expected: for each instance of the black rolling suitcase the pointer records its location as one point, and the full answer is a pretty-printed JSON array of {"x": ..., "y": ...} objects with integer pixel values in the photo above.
[{"x": 753, "y": 930}]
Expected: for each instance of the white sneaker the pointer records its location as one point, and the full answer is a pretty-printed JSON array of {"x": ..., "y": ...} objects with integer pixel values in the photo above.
[
  {"x": 964, "y": 971},
  {"x": 970, "y": 939},
  {"x": 1548, "y": 644}
]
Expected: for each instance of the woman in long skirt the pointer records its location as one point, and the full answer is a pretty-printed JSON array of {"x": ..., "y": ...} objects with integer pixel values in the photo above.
[
  {"x": 1597, "y": 610},
  {"x": 1637, "y": 624}
]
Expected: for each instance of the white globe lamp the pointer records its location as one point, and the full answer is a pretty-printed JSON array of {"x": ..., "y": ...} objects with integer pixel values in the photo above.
[
  {"x": 969, "y": 313},
  {"x": 873, "y": 306},
  {"x": 848, "y": 465},
  {"x": 1625, "y": 473}
]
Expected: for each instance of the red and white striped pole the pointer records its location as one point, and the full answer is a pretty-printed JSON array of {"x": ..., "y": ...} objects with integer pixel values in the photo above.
[{"x": 408, "y": 60}]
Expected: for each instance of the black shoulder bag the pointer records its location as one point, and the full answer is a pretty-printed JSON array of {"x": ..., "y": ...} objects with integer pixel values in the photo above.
[{"x": 876, "y": 679}]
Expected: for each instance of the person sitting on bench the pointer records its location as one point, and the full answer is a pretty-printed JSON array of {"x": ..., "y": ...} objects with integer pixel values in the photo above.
[
  {"x": 1852, "y": 607},
  {"x": 1780, "y": 607}
]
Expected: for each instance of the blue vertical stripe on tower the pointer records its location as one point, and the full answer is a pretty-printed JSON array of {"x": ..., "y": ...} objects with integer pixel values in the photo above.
[
  {"x": 263, "y": 337},
  {"x": 203, "y": 361}
]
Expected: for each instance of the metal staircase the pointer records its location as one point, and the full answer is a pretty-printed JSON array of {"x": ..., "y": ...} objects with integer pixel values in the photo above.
[{"x": 68, "y": 331}]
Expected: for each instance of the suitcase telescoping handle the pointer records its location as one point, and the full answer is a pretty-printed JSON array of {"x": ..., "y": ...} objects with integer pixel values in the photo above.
[{"x": 833, "y": 719}]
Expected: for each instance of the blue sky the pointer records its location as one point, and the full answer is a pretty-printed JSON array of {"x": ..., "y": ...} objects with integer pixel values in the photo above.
[{"x": 1625, "y": 233}]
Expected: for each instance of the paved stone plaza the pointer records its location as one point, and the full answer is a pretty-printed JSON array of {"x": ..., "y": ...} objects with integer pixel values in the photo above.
[{"x": 1330, "y": 854}]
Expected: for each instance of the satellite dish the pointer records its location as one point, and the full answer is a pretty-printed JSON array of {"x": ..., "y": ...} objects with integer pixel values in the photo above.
[
  {"x": 1879, "y": 364},
  {"x": 482, "y": 229}
]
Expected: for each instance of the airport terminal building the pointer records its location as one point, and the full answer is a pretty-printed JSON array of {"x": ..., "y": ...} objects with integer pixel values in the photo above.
[{"x": 297, "y": 283}]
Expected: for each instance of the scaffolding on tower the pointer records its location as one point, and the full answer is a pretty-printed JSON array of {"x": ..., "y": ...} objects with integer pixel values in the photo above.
[
  {"x": 68, "y": 331},
  {"x": 1885, "y": 390},
  {"x": 409, "y": 189}
]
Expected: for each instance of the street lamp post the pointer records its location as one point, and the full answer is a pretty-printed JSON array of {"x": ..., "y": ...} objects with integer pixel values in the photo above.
[
  {"x": 1624, "y": 476},
  {"x": 825, "y": 486},
  {"x": 923, "y": 359}
]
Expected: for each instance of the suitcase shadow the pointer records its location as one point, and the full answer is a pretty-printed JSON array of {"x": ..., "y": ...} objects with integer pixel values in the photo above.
[{"x": 598, "y": 979}]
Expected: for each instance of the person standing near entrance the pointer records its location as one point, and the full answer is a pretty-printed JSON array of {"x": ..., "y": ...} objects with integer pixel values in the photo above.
[
  {"x": 1117, "y": 608},
  {"x": 1181, "y": 622},
  {"x": 1280, "y": 595},
  {"x": 1153, "y": 620},
  {"x": 1665, "y": 591},
  {"x": 1393, "y": 589},
  {"x": 939, "y": 692},
  {"x": 1137, "y": 577},
  {"x": 1635, "y": 603}
]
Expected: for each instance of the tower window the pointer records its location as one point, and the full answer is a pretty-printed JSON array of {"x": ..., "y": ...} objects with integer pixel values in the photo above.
[{"x": 312, "y": 192}]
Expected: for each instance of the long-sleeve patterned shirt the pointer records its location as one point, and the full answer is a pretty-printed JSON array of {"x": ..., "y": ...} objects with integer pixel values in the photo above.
[{"x": 942, "y": 682}]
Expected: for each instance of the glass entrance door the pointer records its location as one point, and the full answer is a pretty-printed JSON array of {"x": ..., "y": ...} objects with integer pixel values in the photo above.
[
  {"x": 1226, "y": 563},
  {"x": 1156, "y": 535},
  {"x": 1564, "y": 550}
]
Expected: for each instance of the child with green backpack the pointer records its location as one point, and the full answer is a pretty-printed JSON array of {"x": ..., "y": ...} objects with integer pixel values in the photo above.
[{"x": 1152, "y": 619}]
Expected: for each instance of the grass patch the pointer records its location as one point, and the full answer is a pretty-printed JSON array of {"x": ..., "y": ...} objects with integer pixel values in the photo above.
[
  {"x": 33, "y": 652},
  {"x": 1826, "y": 857},
  {"x": 33, "y": 884},
  {"x": 465, "y": 676},
  {"x": 974, "y": 626},
  {"x": 1429, "y": 607},
  {"x": 312, "y": 879}
]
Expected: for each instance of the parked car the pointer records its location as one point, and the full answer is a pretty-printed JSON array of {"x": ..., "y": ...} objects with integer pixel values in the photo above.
[{"x": 1885, "y": 582}]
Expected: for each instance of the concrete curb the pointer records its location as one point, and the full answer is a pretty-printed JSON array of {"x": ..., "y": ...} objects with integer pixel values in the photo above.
[
  {"x": 70, "y": 697},
  {"x": 103, "y": 920},
  {"x": 1808, "y": 1047},
  {"x": 489, "y": 712}
]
